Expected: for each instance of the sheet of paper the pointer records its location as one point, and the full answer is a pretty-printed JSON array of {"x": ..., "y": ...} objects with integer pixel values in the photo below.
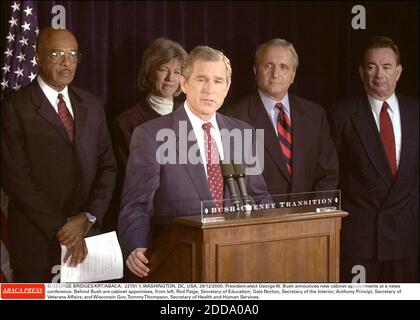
[{"x": 103, "y": 262}]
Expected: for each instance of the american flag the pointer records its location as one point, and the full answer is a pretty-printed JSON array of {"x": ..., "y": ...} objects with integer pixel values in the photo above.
[{"x": 19, "y": 68}]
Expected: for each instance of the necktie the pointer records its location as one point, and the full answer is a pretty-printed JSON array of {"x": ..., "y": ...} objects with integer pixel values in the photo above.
[
  {"x": 387, "y": 136},
  {"x": 214, "y": 172},
  {"x": 65, "y": 117},
  {"x": 284, "y": 129}
]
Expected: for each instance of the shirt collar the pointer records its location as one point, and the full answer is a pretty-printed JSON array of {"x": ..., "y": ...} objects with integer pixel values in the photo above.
[
  {"x": 197, "y": 122},
  {"x": 376, "y": 104},
  {"x": 269, "y": 103},
  {"x": 51, "y": 93}
]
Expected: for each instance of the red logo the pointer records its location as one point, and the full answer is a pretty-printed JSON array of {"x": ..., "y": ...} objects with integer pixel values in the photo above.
[{"x": 23, "y": 291}]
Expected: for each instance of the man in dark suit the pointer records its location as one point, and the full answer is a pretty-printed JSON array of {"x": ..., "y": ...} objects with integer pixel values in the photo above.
[
  {"x": 377, "y": 138},
  {"x": 174, "y": 160},
  {"x": 299, "y": 155},
  {"x": 58, "y": 166}
]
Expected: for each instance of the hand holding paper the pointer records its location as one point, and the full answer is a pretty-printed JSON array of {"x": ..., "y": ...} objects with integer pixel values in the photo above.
[{"x": 103, "y": 262}]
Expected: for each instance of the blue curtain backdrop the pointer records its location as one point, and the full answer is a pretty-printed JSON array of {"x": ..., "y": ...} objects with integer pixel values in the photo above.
[{"x": 113, "y": 36}]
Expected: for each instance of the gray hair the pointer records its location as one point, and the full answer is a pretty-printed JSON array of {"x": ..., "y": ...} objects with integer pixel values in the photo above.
[{"x": 276, "y": 42}]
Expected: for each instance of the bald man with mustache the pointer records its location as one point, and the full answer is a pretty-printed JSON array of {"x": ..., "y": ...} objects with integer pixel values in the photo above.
[{"x": 58, "y": 167}]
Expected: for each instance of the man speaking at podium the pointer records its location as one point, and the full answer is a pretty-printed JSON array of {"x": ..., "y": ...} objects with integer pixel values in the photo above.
[{"x": 155, "y": 191}]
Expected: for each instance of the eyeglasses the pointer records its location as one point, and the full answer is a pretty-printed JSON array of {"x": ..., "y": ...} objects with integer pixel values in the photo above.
[{"x": 73, "y": 55}]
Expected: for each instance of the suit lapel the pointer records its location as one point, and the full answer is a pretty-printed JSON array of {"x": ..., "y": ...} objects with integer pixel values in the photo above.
[
  {"x": 228, "y": 148},
  {"x": 80, "y": 114},
  {"x": 369, "y": 135},
  {"x": 47, "y": 111},
  {"x": 408, "y": 158},
  {"x": 299, "y": 124},
  {"x": 146, "y": 111},
  {"x": 182, "y": 127},
  {"x": 261, "y": 120}
]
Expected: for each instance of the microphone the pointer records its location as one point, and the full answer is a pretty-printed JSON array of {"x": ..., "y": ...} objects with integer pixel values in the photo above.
[
  {"x": 240, "y": 178},
  {"x": 229, "y": 176}
]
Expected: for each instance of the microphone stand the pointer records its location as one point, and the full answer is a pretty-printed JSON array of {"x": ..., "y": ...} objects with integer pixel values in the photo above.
[
  {"x": 229, "y": 176},
  {"x": 240, "y": 178}
]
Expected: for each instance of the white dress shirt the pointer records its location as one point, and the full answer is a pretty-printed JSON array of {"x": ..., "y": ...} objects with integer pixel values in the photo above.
[
  {"x": 394, "y": 114},
  {"x": 52, "y": 95},
  {"x": 197, "y": 124},
  {"x": 272, "y": 111}
]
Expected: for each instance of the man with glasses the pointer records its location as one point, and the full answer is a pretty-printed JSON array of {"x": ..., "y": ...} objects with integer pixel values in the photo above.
[{"x": 57, "y": 165}]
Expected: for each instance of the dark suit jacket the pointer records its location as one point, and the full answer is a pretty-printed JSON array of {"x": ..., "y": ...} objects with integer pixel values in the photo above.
[
  {"x": 46, "y": 177},
  {"x": 314, "y": 158},
  {"x": 126, "y": 122},
  {"x": 154, "y": 193},
  {"x": 122, "y": 130},
  {"x": 384, "y": 218}
]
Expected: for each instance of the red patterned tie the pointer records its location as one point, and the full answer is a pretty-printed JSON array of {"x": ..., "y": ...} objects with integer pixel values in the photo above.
[
  {"x": 388, "y": 139},
  {"x": 214, "y": 172},
  {"x": 284, "y": 129},
  {"x": 65, "y": 117}
]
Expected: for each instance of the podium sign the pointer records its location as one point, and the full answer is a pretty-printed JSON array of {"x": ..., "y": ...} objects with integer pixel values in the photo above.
[
  {"x": 297, "y": 239},
  {"x": 249, "y": 208}
]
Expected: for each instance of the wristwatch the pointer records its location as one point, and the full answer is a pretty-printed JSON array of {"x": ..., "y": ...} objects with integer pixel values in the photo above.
[{"x": 90, "y": 217}]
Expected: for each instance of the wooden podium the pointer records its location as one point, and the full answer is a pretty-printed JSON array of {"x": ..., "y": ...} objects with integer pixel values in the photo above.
[{"x": 269, "y": 246}]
